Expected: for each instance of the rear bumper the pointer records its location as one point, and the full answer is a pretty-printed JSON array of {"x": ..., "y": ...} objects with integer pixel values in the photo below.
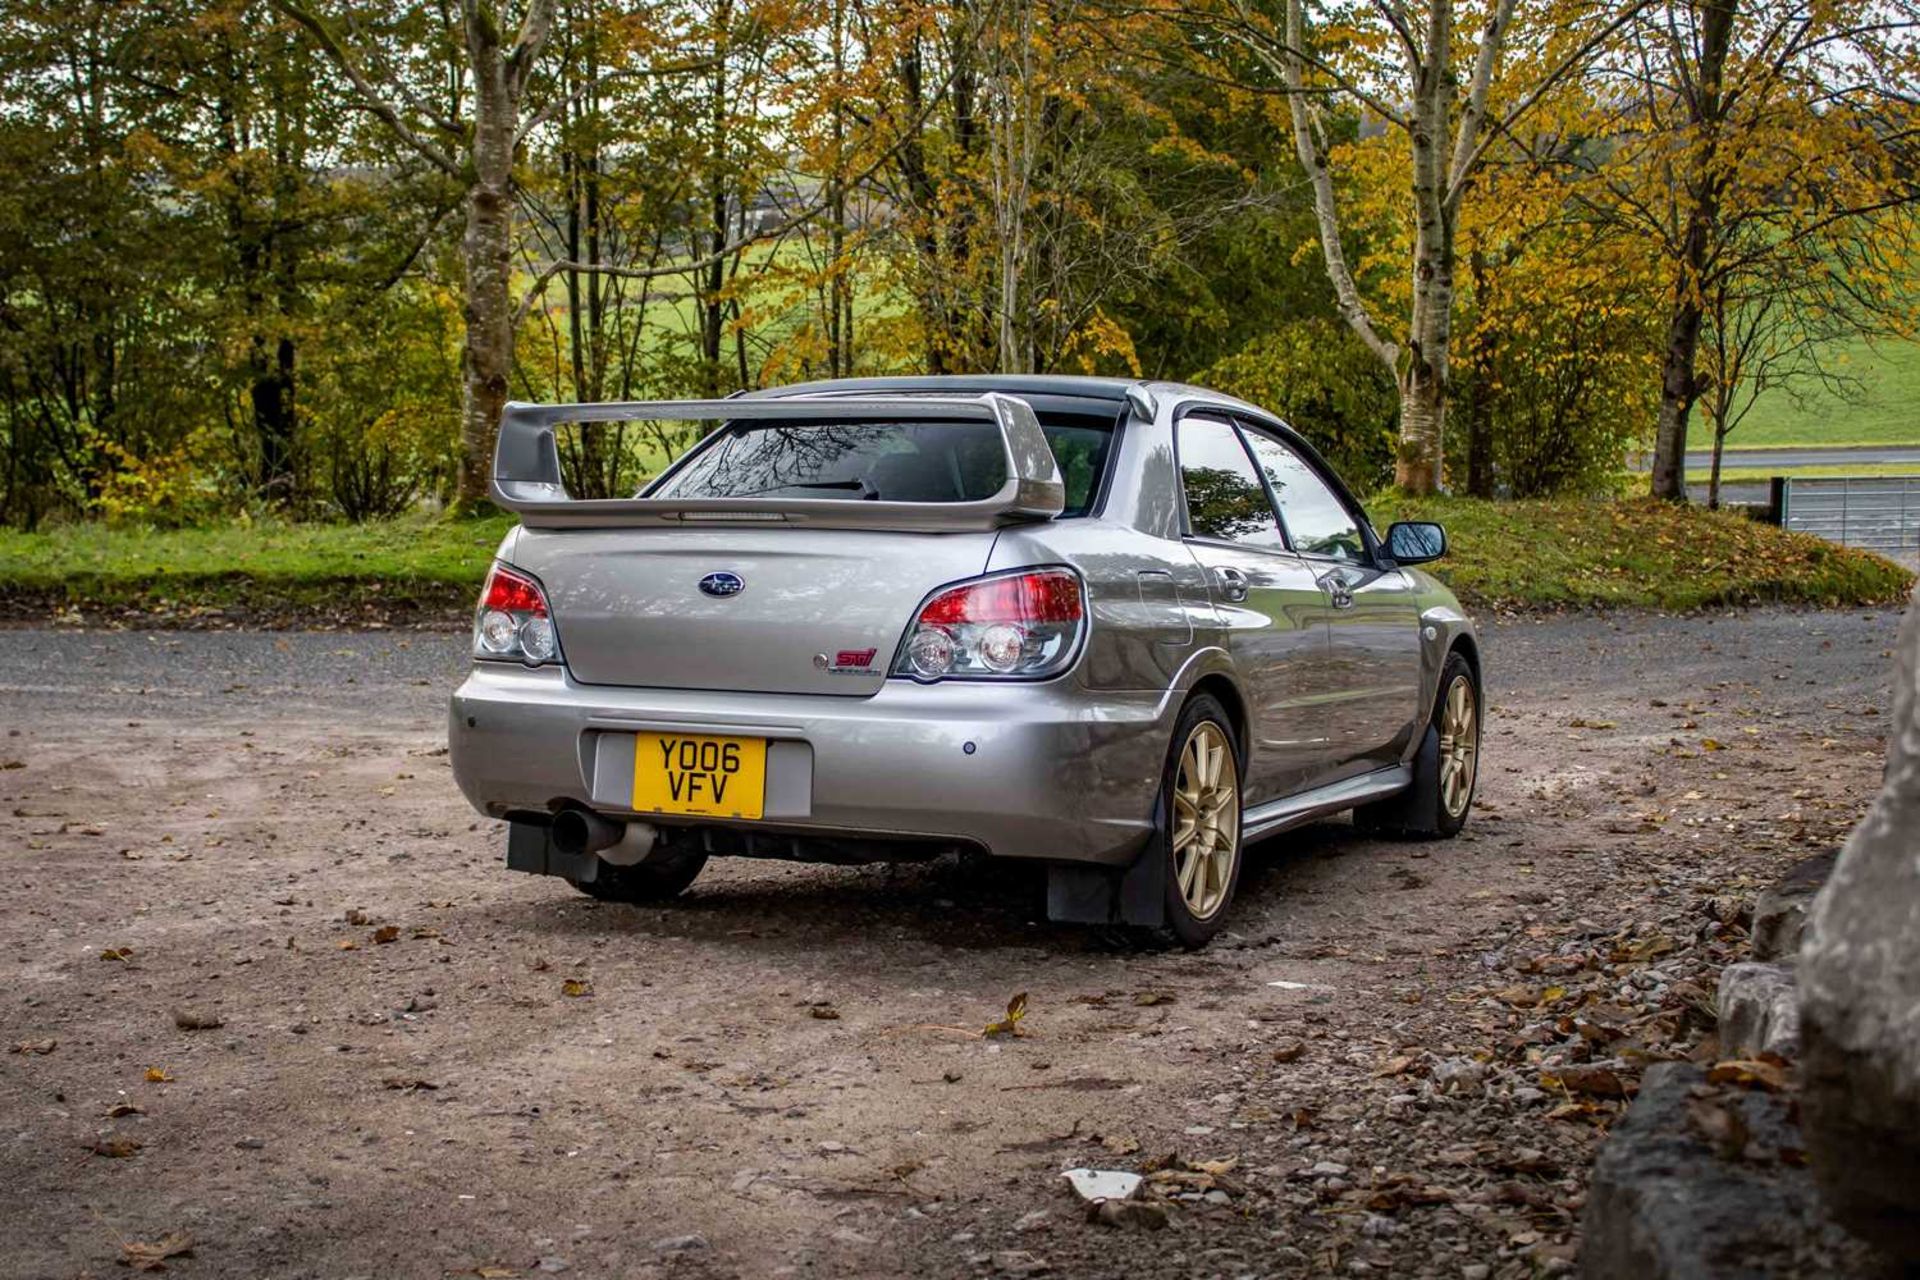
[{"x": 1054, "y": 772}]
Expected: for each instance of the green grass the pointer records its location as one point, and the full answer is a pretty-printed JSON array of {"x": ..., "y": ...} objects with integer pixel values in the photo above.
[
  {"x": 1638, "y": 553},
  {"x": 405, "y": 569},
  {"x": 1509, "y": 555},
  {"x": 1890, "y": 414}
]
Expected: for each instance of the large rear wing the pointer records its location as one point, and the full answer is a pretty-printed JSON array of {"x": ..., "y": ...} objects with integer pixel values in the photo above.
[{"x": 526, "y": 465}]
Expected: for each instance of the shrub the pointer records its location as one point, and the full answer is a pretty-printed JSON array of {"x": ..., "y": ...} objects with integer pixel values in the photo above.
[{"x": 1318, "y": 377}]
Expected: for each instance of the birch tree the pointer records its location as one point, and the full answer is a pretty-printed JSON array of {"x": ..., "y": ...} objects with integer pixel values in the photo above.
[{"x": 1452, "y": 102}]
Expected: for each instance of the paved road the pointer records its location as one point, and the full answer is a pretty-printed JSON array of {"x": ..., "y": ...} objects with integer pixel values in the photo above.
[{"x": 1788, "y": 460}]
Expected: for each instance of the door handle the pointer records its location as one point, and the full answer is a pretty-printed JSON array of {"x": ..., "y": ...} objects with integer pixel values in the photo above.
[
  {"x": 1233, "y": 584},
  {"x": 1339, "y": 594}
]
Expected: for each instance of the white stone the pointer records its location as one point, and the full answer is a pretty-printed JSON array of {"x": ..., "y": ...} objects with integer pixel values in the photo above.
[{"x": 1095, "y": 1185}]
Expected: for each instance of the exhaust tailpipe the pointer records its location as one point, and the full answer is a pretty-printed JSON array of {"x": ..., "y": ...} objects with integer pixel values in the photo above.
[{"x": 578, "y": 831}]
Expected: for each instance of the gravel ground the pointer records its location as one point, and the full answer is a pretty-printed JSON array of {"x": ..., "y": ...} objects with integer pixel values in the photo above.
[{"x": 785, "y": 1074}]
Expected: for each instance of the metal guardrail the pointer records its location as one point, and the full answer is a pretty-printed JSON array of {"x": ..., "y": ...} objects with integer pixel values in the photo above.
[{"x": 1879, "y": 513}]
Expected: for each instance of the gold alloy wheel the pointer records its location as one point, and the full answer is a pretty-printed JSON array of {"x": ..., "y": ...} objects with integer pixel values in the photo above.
[
  {"x": 1206, "y": 819},
  {"x": 1459, "y": 746}
]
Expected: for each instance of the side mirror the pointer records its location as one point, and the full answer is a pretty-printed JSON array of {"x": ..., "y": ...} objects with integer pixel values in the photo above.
[{"x": 1416, "y": 541}]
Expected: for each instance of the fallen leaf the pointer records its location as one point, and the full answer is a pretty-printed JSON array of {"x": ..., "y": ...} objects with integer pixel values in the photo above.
[
  {"x": 1712, "y": 744},
  {"x": 1770, "y": 1076},
  {"x": 1148, "y": 999},
  {"x": 1010, "y": 1025},
  {"x": 116, "y": 1148},
  {"x": 41, "y": 1047},
  {"x": 824, "y": 1012},
  {"x": 159, "y": 1075},
  {"x": 119, "y": 1109},
  {"x": 197, "y": 1019},
  {"x": 122, "y": 954},
  {"x": 1393, "y": 1067},
  {"x": 1290, "y": 1051},
  {"x": 410, "y": 1084},
  {"x": 576, "y": 987},
  {"x": 386, "y": 933},
  {"x": 1597, "y": 1082},
  {"x": 152, "y": 1256},
  {"x": 348, "y": 944}
]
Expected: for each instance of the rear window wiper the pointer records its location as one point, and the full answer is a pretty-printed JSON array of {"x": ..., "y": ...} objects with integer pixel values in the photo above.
[{"x": 854, "y": 482}]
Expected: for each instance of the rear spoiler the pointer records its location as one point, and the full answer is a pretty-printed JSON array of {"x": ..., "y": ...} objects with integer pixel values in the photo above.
[{"x": 526, "y": 466}]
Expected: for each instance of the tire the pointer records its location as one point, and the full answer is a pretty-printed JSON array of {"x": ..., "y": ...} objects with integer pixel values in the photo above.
[
  {"x": 1445, "y": 772},
  {"x": 658, "y": 879},
  {"x": 1203, "y": 873}
]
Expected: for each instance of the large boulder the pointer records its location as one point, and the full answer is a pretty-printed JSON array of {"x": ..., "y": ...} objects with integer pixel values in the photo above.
[
  {"x": 1860, "y": 998},
  {"x": 1705, "y": 1183}
]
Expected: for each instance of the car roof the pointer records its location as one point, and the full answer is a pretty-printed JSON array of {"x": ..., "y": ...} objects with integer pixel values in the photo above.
[{"x": 1048, "y": 390}]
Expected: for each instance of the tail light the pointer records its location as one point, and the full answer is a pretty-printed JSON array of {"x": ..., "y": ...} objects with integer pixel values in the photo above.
[
  {"x": 1023, "y": 625},
  {"x": 513, "y": 622}
]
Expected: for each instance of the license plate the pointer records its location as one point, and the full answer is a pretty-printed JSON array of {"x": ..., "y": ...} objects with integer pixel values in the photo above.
[{"x": 699, "y": 775}]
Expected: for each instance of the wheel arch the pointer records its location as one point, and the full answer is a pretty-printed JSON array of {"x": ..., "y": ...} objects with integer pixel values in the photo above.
[
  {"x": 1227, "y": 694},
  {"x": 1468, "y": 647}
]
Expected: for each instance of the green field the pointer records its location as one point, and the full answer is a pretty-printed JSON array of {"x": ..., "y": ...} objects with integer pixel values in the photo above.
[{"x": 1890, "y": 414}]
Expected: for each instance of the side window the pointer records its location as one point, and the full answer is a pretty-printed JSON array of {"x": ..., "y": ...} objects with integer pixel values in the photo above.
[
  {"x": 1318, "y": 521},
  {"x": 1225, "y": 499}
]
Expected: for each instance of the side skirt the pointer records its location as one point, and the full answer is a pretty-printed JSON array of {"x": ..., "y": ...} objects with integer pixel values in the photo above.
[
  {"x": 1081, "y": 894},
  {"x": 1290, "y": 811}
]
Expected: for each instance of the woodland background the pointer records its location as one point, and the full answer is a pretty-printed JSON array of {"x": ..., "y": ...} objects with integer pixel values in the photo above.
[{"x": 280, "y": 260}]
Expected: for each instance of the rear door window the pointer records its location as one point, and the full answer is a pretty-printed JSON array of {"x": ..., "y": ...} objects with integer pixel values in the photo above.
[
  {"x": 929, "y": 462},
  {"x": 1225, "y": 499}
]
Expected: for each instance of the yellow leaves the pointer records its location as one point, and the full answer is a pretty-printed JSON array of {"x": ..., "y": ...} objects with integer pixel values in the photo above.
[
  {"x": 1766, "y": 1072},
  {"x": 158, "y": 1075},
  {"x": 122, "y": 954},
  {"x": 1009, "y": 1025},
  {"x": 575, "y": 988}
]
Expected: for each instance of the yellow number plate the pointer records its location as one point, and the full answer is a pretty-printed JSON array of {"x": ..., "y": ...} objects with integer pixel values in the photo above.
[{"x": 694, "y": 774}]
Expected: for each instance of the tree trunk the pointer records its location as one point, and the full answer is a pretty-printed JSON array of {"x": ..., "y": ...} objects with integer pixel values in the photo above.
[
  {"x": 1679, "y": 387},
  {"x": 1677, "y": 390},
  {"x": 487, "y": 251},
  {"x": 1423, "y": 415},
  {"x": 1719, "y": 450}
]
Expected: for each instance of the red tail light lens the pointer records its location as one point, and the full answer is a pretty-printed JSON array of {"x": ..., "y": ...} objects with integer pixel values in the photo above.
[
  {"x": 1023, "y": 625},
  {"x": 513, "y": 622}
]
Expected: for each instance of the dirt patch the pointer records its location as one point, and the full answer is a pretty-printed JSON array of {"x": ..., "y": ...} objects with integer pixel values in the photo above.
[{"x": 1399, "y": 1060}]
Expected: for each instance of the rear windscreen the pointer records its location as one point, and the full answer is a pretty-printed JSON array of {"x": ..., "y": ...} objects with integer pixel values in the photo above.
[{"x": 881, "y": 461}]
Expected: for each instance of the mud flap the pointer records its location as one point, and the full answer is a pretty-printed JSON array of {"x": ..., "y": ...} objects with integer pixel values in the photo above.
[
  {"x": 1418, "y": 807},
  {"x": 1134, "y": 895},
  {"x": 530, "y": 848}
]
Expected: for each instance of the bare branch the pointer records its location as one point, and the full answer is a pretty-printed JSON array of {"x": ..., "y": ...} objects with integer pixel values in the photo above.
[
  {"x": 1464, "y": 167},
  {"x": 374, "y": 100}
]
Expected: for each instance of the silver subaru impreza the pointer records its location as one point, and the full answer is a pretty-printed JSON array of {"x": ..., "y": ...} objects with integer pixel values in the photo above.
[{"x": 1120, "y": 628}]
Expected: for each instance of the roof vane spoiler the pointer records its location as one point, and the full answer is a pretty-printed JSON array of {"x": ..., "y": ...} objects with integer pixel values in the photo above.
[{"x": 527, "y": 479}]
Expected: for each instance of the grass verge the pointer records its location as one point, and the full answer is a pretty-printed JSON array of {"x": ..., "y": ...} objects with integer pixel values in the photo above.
[
  {"x": 1507, "y": 555},
  {"x": 1638, "y": 554},
  {"x": 414, "y": 570}
]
